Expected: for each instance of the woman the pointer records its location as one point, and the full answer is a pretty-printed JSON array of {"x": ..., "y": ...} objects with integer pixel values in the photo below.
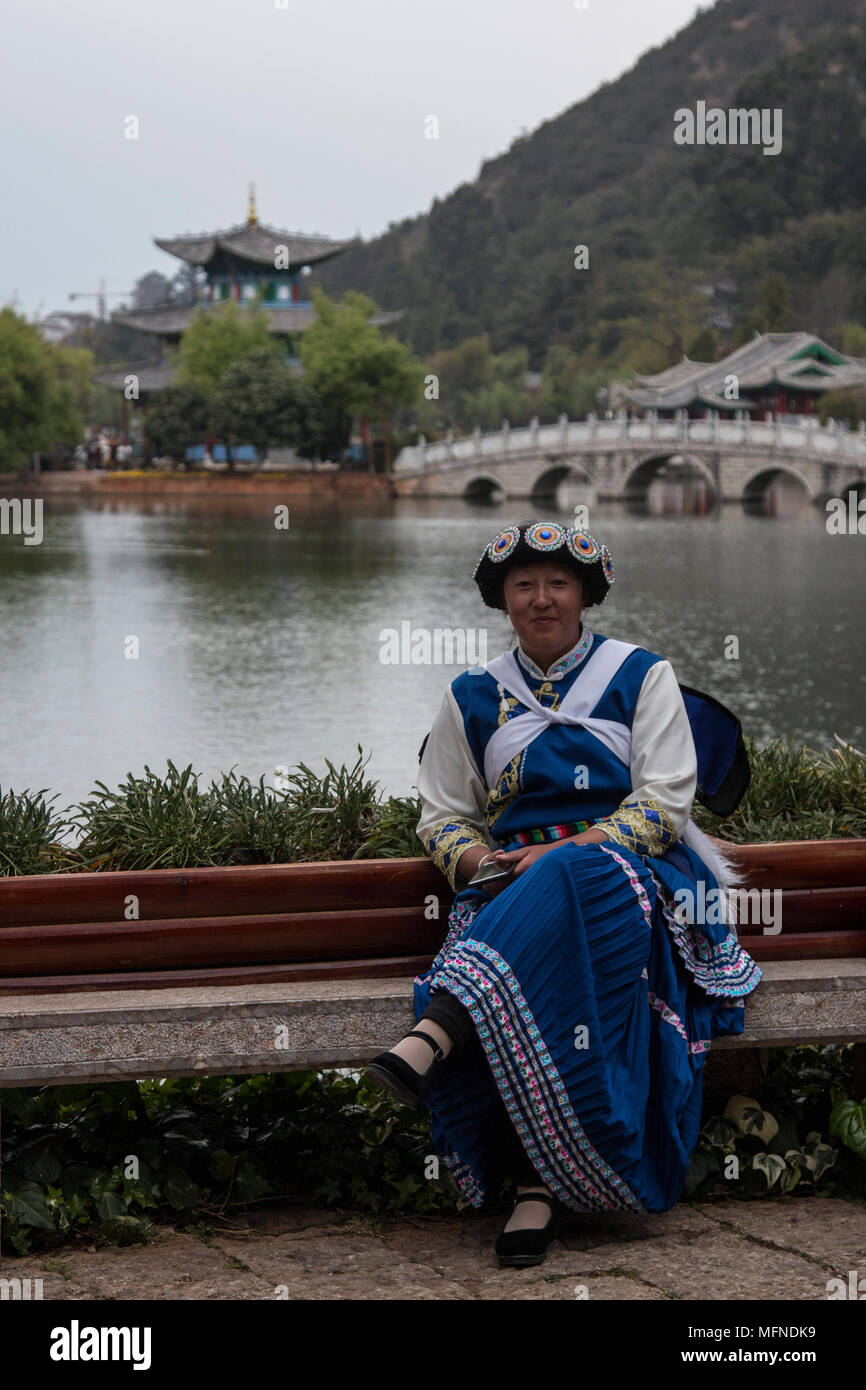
[{"x": 564, "y": 1022}]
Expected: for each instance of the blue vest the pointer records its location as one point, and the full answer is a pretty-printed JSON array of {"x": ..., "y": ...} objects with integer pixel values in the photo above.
[{"x": 567, "y": 775}]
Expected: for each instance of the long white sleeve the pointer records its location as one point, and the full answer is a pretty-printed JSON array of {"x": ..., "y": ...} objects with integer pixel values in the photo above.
[
  {"x": 663, "y": 765},
  {"x": 453, "y": 794}
]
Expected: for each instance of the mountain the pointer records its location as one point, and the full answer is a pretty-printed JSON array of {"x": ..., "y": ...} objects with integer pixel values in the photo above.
[{"x": 678, "y": 236}]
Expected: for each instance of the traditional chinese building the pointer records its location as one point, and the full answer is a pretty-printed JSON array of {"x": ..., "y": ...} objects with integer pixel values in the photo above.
[
  {"x": 237, "y": 264},
  {"x": 781, "y": 373}
]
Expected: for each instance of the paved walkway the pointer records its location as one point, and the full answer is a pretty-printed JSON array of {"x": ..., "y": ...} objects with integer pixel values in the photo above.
[{"x": 728, "y": 1250}]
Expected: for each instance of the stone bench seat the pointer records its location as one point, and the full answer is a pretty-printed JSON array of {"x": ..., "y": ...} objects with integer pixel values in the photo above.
[{"x": 245, "y": 1029}]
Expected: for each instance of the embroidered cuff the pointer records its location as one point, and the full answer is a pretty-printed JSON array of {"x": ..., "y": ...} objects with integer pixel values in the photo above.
[
  {"x": 641, "y": 825},
  {"x": 447, "y": 841}
]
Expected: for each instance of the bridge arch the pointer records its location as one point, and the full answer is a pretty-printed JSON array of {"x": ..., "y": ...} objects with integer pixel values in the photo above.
[
  {"x": 644, "y": 470},
  {"x": 757, "y": 486},
  {"x": 484, "y": 487},
  {"x": 856, "y": 483},
  {"x": 554, "y": 474}
]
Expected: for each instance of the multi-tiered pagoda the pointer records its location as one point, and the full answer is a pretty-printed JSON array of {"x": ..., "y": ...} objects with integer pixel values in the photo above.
[{"x": 238, "y": 264}]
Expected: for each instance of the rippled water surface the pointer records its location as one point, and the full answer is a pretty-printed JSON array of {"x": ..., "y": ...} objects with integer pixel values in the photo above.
[{"x": 260, "y": 646}]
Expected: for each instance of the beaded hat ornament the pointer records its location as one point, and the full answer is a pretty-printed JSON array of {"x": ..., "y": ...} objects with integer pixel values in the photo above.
[{"x": 530, "y": 541}]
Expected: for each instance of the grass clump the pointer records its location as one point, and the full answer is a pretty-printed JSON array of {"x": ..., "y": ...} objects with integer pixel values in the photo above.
[
  {"x": 30, "y": 834},
  {"x": 796, "y": 794},
  {"x": 156, "y": 822},
  {"x": 170, "y": 821}
]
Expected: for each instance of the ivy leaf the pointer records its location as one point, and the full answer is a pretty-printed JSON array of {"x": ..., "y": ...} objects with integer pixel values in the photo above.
[
  {"x": 250, "y": 1182},
  {"x": 798, "y": 1159},
  {"x": 221, "y": 1164},
  {"x": 820, "y": 1156},
  {"x": 181, "y": 1191},
  {"x": 110, "y": 1206},
  {"x": 787, "y": 1137},
  {"x": 328, "y": 1191},
  {"x": 375, "y": 1135},
  {"x": 848, "y": 1123},
  {"x": 771, "y": 1165},
  {"x": 720, "y": 1132},
  {"x": 125, "y": 1230},
  {"x": 44, "y": 1168},
  {"x": 28, "y": 1207},
  {"x": 704, "y": 1164},
  {"x": 748, "y": 1118}
]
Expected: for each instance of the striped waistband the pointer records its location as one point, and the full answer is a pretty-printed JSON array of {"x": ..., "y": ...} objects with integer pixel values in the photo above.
[{"x": 551, "y": 832}]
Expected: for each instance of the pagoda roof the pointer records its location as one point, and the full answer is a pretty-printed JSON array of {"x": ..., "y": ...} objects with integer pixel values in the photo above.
[
  {"x": 800, "y": 361},
  {"x": 253, "y": 242},
  {"x": 171, "y": 320},
  {"x": 152, "y": 376}
]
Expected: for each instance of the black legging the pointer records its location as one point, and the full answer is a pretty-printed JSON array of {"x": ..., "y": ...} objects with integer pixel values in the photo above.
[{"x": 450, "y": 1014}]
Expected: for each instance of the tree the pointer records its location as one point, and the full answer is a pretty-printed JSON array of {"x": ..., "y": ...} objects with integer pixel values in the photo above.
[
  {"x": 567, "y": 387},
  {"x": 43, "y": 389},
  {"x": 466, "y": 368},
  {"x": 219, "y": 337},
  {"x": 176, "y": 418},
  {"x": 351, "y": 364},
  {"x": 502, "y": 397},
  {"x": 263, "y": 402},
  {"x": 673, "y": 312},
  {"x": 705, "y": 347},
  {"x": 854, "y": 339},
  {"x": 771, "y": 312},
  {"x": 478, "y": 387},
  {"x": 150, "y": 289},
  {"x": 187, "y": 284},
  {"x": 848, "y": 405}
]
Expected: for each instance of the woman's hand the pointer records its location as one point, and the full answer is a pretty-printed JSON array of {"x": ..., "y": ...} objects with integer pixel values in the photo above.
[
  {"x": 471, "y": 860},
  {"x": 524, "y": 857}
]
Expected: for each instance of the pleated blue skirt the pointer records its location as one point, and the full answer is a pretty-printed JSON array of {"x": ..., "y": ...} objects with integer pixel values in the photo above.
[{"x": 593, "y": 1007}]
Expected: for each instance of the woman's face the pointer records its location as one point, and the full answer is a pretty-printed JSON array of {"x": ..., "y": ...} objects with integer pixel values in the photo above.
[{"x": 544, "y": 602}]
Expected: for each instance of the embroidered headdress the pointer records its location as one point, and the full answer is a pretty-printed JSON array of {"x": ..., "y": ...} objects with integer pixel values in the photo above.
[{"x": 528, "y": 542}]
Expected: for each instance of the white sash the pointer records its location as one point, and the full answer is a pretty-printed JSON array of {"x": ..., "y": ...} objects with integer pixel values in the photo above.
[{"x": 516, "y": 734}]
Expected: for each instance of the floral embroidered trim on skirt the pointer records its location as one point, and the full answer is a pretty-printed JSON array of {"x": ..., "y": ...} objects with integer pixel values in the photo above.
[{"x": 593, "y": 1009}]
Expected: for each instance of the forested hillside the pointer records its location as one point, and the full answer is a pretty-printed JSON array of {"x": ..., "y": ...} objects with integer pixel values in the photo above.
[{"x": 691, "y": 248}]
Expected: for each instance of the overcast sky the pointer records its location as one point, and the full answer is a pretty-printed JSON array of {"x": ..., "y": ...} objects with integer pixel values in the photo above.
[{"x": 321, "y": 102}]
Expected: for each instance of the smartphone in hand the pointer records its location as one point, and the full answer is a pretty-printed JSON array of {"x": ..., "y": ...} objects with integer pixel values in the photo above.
[{"x": 490, "y": 872}]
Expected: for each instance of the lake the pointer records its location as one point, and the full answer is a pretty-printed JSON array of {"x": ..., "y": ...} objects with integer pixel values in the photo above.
[{"x": 258, "y": 647}]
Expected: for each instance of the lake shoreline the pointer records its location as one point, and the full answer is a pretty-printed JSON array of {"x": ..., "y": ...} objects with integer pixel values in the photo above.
[{"x": 300, "y": 483}]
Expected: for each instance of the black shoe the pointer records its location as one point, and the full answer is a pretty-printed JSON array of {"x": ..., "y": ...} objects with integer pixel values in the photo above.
[
  {"x": 529, "y": 1246},
  {"x": 394, "y": 1073}
]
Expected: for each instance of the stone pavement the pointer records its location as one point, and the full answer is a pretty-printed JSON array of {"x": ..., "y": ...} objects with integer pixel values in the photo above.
[{"x": 728, "y": 1250}]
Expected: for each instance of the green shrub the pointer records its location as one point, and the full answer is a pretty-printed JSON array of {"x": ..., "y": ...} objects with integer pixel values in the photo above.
[
  {"x": 30, "y": 834},
  {"x": 156, "y": 822},
  {"x": 796, "y": 794},
  {"x": 207, "y": 1146},
  {"x": 111, "y": 1160},
  {"x": 153, "y": 822},
  {"x": 776, "y": 1142}
]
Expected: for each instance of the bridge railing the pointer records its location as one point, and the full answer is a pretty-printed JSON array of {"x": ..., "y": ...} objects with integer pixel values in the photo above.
[{"x": 575, "y": 435}]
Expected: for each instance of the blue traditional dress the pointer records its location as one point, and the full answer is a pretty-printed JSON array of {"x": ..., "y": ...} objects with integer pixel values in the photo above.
[{"x": 594, "y": 1003}]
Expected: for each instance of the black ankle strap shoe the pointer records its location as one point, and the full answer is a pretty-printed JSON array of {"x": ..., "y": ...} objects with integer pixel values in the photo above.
[
  {"x": 529, "y": 1246},
  {"x": 394, "y": 1074}
]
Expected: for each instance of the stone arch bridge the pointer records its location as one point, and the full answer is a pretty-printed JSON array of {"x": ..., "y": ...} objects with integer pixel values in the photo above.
[{"x": 619, "y": 458}]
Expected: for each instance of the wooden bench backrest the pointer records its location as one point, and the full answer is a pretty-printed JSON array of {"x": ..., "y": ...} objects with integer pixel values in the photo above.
[{"x": 349, "y": 918}]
